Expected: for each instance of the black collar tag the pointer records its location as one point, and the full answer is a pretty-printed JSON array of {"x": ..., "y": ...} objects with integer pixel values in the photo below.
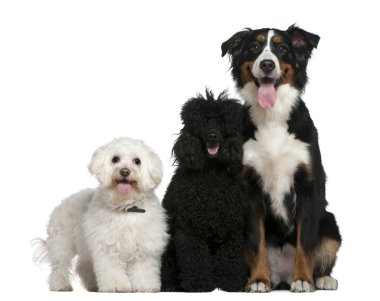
[{"x": 136, "y": 209}]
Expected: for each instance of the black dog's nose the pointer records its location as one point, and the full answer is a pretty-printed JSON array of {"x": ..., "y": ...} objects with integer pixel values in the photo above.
[
  {"x": 124, "y": 172},
  {"x": 267, "y": 66},
  {"x": 212, "y": 136}
]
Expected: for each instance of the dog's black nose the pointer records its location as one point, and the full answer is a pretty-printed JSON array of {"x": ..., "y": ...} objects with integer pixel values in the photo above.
[
  {"x": 267, "y": 66},
  {"x": 212, "y": 136},
  {"x": 124, "y": 172}
]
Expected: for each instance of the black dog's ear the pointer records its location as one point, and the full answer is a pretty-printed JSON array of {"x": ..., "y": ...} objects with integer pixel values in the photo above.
[
  {"x": 192, "y": 112},
  {"x": 302, "y": 40},
  {"x": 188, "y": 151},
  {"x": 232, "y": 112},
  {"x": 234, "y": 43},
  {"x": 232, "y": 150}
]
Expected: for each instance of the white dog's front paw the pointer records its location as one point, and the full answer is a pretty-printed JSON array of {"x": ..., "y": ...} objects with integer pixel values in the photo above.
[
  {"x": 147, "y": 287},
  {"x": 300, "y": 286},
  {"x": 257, "y": 287},
  {"x": 147, "y": 290},
  {"x": 326, "y": 283},
  {"x": 116, "y": 288}
]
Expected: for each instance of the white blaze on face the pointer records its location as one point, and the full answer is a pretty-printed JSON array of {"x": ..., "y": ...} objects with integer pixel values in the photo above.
[
  {"x": 266, "y": 92},
  {"x": 267, "y": 54}
]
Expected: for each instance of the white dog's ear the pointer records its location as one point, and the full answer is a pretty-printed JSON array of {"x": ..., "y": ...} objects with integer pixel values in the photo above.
[
  {"x": 97, "y": 163},
  {"x": 152, "y": 171}
]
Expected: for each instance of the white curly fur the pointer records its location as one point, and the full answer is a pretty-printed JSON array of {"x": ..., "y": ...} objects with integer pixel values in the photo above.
[{"x": 117, "y": 251}]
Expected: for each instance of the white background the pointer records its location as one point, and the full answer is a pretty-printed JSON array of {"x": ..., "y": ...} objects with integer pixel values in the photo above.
[{"x": 75, "y": 74}]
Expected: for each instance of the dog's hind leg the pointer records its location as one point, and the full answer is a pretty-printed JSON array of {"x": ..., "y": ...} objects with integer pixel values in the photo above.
[
  {"x": 169, "y": 270},
  {"x": 86, "y": 273},
  {"x": 325, "y": 252},
  {"x": 60, "y": 255}
]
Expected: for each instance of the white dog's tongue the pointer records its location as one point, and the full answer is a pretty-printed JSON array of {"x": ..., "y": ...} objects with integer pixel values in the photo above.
[
  {"x": 266, "y": 95},
  {"x": 123, "y": 188}
]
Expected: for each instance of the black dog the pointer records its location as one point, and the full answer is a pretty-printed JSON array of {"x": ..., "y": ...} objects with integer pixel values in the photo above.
[
  {"x": 205, "y": 200},
  {"x": 302, "y": 238}
]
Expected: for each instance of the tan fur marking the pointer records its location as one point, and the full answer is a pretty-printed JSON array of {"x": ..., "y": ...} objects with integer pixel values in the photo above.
[
  {"x": 288, "y": 70},
  {"x": 260, "y": 38},
  {"x": 304, "y": 262},
  {"x": 309, "y": 170},
  {"x": 277, "y": 40},
  {"x": 246, "y": 73},
  {"x": 325, "y": 254},
  {"x": 245, "y": 171},
  {"x": 259, "y": 265}
]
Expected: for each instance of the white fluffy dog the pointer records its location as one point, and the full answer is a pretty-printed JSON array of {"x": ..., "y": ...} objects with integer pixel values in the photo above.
[{"x": 118, "y": 230}]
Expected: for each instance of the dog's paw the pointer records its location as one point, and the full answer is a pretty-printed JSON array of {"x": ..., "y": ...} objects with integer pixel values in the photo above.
[
  {"x": 300, "y": 286},
  {"x": 147, "y": 290},
  {"x": 116, "y": 289},
  {"x": 257, "y": 287},
  {"x": 326, "y": 283},
  {"x": 60, "y": 288}
]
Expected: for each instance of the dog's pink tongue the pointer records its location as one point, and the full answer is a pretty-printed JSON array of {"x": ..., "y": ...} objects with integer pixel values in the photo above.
[
  {"x": 266, "y": 95},
  {"x": 213, "y": 150},
  {"x": 123, "y": 188}
]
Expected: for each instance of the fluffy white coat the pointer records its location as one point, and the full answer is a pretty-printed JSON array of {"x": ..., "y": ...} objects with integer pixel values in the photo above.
[{"x": 118, "y": 251}]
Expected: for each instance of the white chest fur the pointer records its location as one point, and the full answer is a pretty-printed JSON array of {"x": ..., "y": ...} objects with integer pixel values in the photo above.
[
  {"x": 274, "y": 154},
  {"x": 126, "y": 236}
]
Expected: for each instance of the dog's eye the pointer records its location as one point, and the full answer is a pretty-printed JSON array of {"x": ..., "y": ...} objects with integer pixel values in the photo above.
[
  {"x": 255, "y": 47},
  {"x": 137, "y": 161},
  {"x": 282, "y": 49},
  {"x": 115, "y": 159}
]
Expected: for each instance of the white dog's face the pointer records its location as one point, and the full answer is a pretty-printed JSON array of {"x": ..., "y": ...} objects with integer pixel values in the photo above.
[{"x": 126, "y": 167}]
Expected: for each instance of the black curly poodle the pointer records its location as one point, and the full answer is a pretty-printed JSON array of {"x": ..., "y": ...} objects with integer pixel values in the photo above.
[{"x": 205, "y": 200}]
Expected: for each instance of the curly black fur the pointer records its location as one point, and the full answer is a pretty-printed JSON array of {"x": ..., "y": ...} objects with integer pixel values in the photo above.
[{"x": 205, "y": 200}]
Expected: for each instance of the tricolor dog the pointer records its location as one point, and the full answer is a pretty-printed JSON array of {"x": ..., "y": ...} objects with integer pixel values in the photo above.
[{"x": 299, "y": 239}]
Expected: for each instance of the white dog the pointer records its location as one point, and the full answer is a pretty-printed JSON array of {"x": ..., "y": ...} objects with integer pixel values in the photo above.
[{"x": 118, "y": 231}]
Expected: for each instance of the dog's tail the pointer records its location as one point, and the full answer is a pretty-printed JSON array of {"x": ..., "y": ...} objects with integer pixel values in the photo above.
[{"x": 40, "y": 251}]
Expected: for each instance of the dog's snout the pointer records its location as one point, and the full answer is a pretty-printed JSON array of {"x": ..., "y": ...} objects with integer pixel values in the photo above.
[
  {"x": 267, "y": 66},
  {"x": 124, "y": 172},
  {"x": 212, "y": 136}
]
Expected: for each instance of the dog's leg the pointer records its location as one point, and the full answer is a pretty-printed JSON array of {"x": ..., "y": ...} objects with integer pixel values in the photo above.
[
  {"x": 86, "y": 273},
  {"x": 60, "y": 255},
  {"x": 303, "y": 267},
  {"x": 230, "y": 266},
  {"x": 110, "y": 274},
  {"x": 325, "y": 253},
  {"x": 169, "y": 270},
  {"x": 145, "y": 275},
  {"x": 195, "y": 264},
  {"x": 259, "y": 280}
]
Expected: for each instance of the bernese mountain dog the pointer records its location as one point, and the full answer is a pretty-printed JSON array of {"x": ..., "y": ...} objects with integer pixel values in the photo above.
[{"x": 299, "y": 238}]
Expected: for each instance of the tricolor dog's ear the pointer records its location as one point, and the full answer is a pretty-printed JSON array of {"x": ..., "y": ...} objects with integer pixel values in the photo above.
[
  {"x": 233, "y": 44},
  {"x": 302, "y": 40}
]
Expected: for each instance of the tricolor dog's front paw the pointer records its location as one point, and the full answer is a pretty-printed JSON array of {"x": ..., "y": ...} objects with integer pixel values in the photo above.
[
  {"x": 326, "y": 283},
  {"x": 300, "y": 286},
  {"x": 257, "y": 287}
]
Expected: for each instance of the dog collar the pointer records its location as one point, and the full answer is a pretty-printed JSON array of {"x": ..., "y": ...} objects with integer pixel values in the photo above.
[{"x": 134, "y": 209}]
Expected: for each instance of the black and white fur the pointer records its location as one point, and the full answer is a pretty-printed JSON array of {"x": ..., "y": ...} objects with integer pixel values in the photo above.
[{"x": 283, "y": 154}]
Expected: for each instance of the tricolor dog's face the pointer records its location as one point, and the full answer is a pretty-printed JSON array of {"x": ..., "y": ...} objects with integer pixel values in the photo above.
[{"x": 269, "y": 58}]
